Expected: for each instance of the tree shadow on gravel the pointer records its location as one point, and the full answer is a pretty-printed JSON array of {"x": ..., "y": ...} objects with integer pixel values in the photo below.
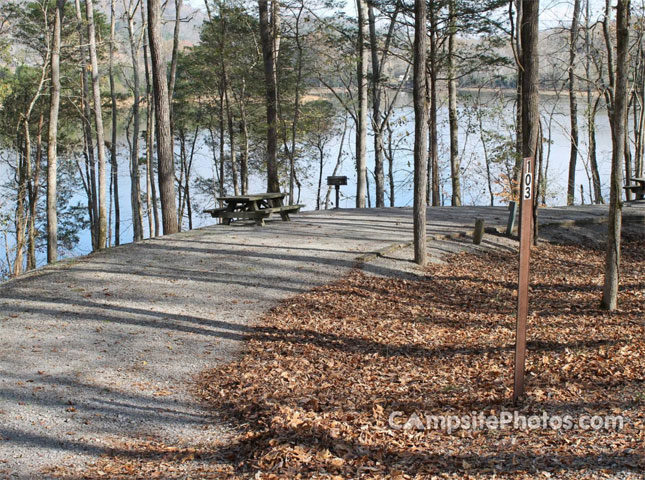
[{"x": 323, "y": 373}]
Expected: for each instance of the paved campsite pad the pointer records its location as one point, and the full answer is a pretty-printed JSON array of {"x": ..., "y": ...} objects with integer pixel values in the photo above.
[{"x": 102, "y": 349}]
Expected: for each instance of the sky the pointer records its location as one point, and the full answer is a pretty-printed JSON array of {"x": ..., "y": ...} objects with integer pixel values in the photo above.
[{"x": 552, "y": 12}]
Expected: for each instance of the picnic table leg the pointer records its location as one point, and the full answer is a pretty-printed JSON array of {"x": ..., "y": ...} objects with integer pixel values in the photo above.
[
  {"x": 278, "y": 202},
  {"x": 253, "y": 206},
  {"x": 229, "y": 208}
]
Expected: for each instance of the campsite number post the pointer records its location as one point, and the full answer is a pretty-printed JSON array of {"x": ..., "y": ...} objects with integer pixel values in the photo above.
[{"x": 526, "y": 219}]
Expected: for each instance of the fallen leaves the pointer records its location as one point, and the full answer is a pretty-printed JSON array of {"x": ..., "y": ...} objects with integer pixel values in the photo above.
[{"x": 321, "y": 374}]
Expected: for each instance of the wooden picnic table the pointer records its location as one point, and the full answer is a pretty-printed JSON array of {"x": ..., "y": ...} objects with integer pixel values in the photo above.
[
  {"x": 638, "y": 187},
  {"x": 256, "y": 207}
]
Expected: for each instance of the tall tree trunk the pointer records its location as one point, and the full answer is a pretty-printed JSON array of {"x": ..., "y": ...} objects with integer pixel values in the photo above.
[
  {"x": 434, "y": 137},
  {"x": 489, "y": 179},
  {"x": 361, "y": 120},
  {"x": 531, "y": 132},
  {"x": 162, "y": 116},
  {"x": 530, "y": 78},
  {"x": 52, "y": 150},
  {"x": 98, "y": 120},
  {"x": 135, "y": 180},
  {"x": 20, "y": 219},
  {"x": 452, "y": 107},
  {"x": 639, "y": 119},
  {"x": 172, "y": 78},
  {"x": 321, "y": 164},
  {"x": 113, "y": 158},
  {"x": 90, "y": 161},
  {"x": 420, "y": 132},
  {"x": 592, "y": 108},
  {"x": 612, "y": 259},
  {"x": 151, "y": 188},
  {"x": 225, "y": 100},
  {"x": 231, "y": 136},
  {"x": 296, "y": 104},
  {"x": 34, "y": 186},
  {"x": 390, "y": 161},
  {"x": 377, "y": 130},
  {"x": 24, "y": 221},
  {"x": 514, "y": 182},
  {"x": 244, "y": 164},
  {"x": 181, "y": 136},
  {"x": 269, "y": 58},
  {"x": 573, "y": 103},
  {"x": 222, "y": 141},
  {"x": 627, "y": 156}
]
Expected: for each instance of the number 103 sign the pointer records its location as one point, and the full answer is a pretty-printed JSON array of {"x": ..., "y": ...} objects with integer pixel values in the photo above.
[{"x": 527, "y": 179}]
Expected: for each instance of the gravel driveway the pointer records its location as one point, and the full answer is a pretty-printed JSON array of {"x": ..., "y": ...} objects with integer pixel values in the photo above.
[{"x": 103, "y": 348}]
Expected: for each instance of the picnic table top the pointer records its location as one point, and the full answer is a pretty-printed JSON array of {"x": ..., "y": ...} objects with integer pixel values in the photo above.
[
  {"x": 254, "y": 197},
  {"x": 638, "y": 179}
]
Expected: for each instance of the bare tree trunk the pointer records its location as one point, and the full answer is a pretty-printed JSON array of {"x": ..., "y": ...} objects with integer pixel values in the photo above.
[
  {"x": 361, "y": 120},
  {"x": 321, "y": 164},
  {"x": 420, "y": 132},
  {"x": 25, "y": 186},
  {"x": 530, "y": 96},
  {"x": 90, "y": 161},
  {"x": 226, "y": 103},
  {"x": 592, "y": 108},
  {"x": 390, "y": 161},
  {"x": 639, "y": 117},
  {"x": 114, "y": 160},
  {"x": 514, "y": 182},
  {"x": 98, "y": 119},
  {"x": 33, "y": 199},
  {"x": 20, "y": 220},
  {"x": 627, "y": 156},
  {"x": 377, "y": 130},
  {"x": 269, "y": 57},
  {"x": 181, "y": 135},
  {"x": 434, "y": 138},
  {"x": 52, "y": 150},
  {"x": 231, "y": 137},
  {"x": 162, "y": 115},
  {"x": 489, "y": 180},
  {"x": 452, "y": 108},
  {"x": 222, "y": 151},
  {"x": 135, "y": 180},
  {"x": 530, "y": 78},
  {"x": 173, "y": 70},
  {"x": 244, "y": 167},
  {"x": 612, "y": 259},
  {"x": 296, "y": 106},
  {"x": 573, "y": 104},
  {"x": 175, "y": 52},
  {"x": 151, "y": 190}
]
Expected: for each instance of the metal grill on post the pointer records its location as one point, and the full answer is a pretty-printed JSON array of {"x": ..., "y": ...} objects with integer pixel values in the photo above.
[{"x": 337, "y": 182}]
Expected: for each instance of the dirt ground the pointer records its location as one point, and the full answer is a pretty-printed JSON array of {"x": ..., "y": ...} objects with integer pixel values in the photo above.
[{"x": 100, "y": 352}]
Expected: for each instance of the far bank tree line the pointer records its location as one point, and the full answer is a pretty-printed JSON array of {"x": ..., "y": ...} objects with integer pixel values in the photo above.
[{"x": 89, "y": 69}]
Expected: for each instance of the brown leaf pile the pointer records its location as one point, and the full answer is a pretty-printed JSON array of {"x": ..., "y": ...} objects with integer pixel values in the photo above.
[{"x": 322, "y": 373}]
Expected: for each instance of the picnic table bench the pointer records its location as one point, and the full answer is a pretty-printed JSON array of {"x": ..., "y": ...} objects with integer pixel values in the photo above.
[
  {"x": 256, "y": 207},
  {"x": 638, "y": 187}
]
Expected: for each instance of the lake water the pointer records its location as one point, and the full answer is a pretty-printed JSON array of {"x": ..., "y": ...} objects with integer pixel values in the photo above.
[{"x": 498, "y": 120}]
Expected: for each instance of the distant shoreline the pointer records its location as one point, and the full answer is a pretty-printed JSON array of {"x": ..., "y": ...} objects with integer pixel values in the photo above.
[{"x": 318, "y": 93}]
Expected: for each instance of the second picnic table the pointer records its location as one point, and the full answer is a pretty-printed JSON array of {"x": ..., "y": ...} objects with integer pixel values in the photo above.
[
  {"x": 637, "y": 187},
  {"x": 256, "y": 207}
]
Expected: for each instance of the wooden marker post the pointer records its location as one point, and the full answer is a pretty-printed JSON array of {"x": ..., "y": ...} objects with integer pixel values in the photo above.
[{"x": 526, "y": 224}]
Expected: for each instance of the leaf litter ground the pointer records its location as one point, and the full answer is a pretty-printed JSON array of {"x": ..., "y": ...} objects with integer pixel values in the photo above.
[{"x": 312, "y": 394}]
